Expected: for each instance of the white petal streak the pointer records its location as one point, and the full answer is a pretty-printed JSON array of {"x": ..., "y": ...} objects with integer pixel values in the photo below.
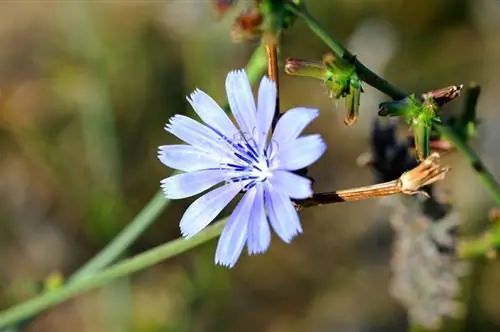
[
  {"x": 292, "y": 123},
  {"x": 191, "y": 183},
  {"x": 204, "y": 210},
  {"x": 266, "y": 104},
  {"x": 282, "y": 214},
  {"x": 234, "y": 235},
  {"x": 301, "y": 152},
  {"x": 187, "y": 158},
  {"x": 241, "y": 101},
  {"x": 295, "y": 186},
  {"x": 211, "y": 113},
  {"x": 198, "y": 135},
  {"x": 259, "y": 232}
]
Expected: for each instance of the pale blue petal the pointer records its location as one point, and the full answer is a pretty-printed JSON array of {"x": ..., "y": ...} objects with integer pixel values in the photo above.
[
  {"x": 211, "y": 113},
  {"x": 188, "y": 158},
  {"x": 292, "y": 123},
  {"x": 295, "y": 186},
  {"x": 266, "y": 103},
  {"x": 241, "y": 101},
  {"x": 300, "y": 153},
  {"x": 191, "y": 183},
  {"x": 204, "y": 210},
  {"x": 234, "y": 235},
  {"x": 282, "y": 214},
  {"x": 198, "y": 135},
  {"x": 259, "y": 232}
]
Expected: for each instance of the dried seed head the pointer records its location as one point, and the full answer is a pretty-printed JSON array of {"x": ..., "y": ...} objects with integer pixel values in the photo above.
[
  {"x": 443, "y": 95},
  {"x": 426, "y": 173}
]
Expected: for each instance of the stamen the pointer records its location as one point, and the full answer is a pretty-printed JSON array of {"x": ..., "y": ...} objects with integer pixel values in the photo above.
[
  {"x": 243, "y": 158},
  {"x": 237, "y": 167}
]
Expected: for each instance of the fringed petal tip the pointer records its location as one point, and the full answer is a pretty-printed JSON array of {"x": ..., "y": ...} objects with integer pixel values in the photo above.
[
  {"x": 160, "y": 152},
  {"x": 288, "y": 235},
  {"x": 164, "y": 188},
  {"x": 226, "y": 264}
]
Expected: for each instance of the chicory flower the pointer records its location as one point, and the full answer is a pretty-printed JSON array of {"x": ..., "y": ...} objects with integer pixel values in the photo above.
[{"x": 241, "y": 159}]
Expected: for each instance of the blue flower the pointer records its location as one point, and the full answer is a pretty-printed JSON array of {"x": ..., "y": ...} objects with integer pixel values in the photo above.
[{"x": 241, "y": 160}]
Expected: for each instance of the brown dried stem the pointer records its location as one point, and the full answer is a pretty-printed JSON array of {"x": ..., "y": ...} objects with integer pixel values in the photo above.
[
  {"x": 271, "y": 43},
  {"x": 409, "y": 183}
]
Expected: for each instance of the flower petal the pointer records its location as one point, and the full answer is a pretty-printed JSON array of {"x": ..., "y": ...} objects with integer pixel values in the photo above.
[
  {"x": 295, "y": 186},
  {"x": 234, "y": 235},
  {"x": 192, "y": 183},
  {"x": 241, "y": 101},
  {"x": 259, "y": 232},
  {"x": 282, "y": 214},
  {"x": 266, "y": 103},
  {"x": 198, "y": 135},
  {"x": 300, "y": 153},
  {"x": 187, "y": 158},
  {"x": 204, "y": 210},
  {"x": 292, "y": 123},
  {"x": 211, "y": 113}
]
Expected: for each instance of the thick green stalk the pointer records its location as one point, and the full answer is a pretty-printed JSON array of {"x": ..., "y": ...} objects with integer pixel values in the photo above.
[
  {"x": 127, "y": 267},
  {"x": 384, "y": 86}
]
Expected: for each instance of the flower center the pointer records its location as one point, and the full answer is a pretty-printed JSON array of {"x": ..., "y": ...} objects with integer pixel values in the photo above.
[{"x": 250, "y": 164}]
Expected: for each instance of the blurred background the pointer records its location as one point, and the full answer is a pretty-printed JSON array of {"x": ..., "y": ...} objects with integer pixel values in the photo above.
[{"x": 85, "y": 90}]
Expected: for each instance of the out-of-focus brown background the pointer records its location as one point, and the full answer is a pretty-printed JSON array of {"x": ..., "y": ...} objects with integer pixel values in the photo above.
[{"x": 85, "y": 90}]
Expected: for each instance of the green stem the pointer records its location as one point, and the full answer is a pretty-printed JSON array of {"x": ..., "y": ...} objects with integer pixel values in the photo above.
[
  {"x": 480, "y": 246},
  {"x": 486, "y": 177},
  {"x": 384, "y": 86},
  {"x": 129, "y": 266},
  {"x": 125, "y": 238},
  {"x": 340, "y": 51}
]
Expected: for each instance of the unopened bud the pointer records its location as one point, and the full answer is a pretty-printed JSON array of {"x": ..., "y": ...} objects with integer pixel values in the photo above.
[{"x": 306, "y": 68}]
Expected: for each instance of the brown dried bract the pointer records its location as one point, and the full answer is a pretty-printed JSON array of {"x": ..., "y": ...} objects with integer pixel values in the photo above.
[
  {"x": 223, "y": 6},
  {"x": 444, "y": 95},
  {"x": 247, "y": 26}
]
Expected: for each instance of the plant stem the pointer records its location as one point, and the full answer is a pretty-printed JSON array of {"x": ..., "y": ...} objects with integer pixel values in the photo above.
[
  {"x": 482, "y": 246},
  {"x": 271, "y": 44},
  {"x": 355, "y": 194},
  {"x": 340, "y": 51},
  {"x": 409, "y": 183},
  {"x": 125, "y": 238},
  {"x": 384, "y": 86},
  {"x": 129, "y": 266}
]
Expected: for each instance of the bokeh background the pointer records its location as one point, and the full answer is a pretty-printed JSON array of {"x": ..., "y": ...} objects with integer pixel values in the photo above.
[{"x": 85, "y": 90}]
